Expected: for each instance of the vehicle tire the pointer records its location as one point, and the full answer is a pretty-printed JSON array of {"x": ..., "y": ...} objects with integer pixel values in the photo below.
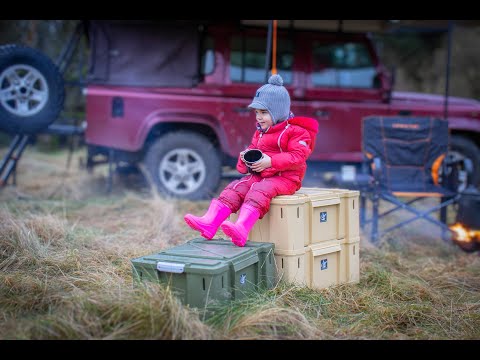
[
  {"x": 184, "y": 165},
  {"x": 32, "y": 90},
  {"x": 462, "y": 147}
]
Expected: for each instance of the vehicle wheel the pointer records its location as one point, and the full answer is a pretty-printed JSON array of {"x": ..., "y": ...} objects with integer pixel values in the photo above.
[
  {"x": 184, "y": 165},
  {"x": 463, "y": 148},
  {"x": 31, "y": 90}
]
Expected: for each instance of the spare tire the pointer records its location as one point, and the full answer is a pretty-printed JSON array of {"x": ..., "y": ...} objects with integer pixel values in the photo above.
[{"x": 32, "y": 90}]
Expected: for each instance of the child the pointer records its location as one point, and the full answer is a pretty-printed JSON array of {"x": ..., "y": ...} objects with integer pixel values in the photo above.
[{"x": 286, "y": 142}]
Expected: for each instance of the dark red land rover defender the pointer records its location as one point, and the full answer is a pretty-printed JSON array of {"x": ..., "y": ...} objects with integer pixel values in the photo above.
[{"x": 174, "y": 95}]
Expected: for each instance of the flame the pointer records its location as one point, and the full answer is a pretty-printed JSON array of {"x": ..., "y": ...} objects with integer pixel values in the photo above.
[{"x": 463, "y": 234}]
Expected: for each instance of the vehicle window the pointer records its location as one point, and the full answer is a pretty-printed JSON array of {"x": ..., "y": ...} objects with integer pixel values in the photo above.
[
  {"x": 346, "y": 65},
  {"x": 247, "y": 59},
  {"x": 208, "y": 56}
]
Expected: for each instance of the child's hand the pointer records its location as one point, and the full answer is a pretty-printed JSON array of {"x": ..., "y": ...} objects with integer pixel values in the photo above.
[{"x": 262, "y": 164}]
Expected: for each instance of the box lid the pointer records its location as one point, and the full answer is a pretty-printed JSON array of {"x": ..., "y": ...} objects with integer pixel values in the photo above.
[
  {"x": 305, "y": 195},
  {"x": 296, "y": 252},
  {"x": 200, "y": 256},
  {"x": 259, "y": 247},
  {"x": 340, "y": 192},
  {"x": 317, "y": 193},
  {"x": 294, "y": 199}
]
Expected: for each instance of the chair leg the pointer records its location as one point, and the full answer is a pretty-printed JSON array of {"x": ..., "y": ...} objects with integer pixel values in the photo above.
[
  {"x": 375, "y": 204},
  {"x": 443, "y": 210},
  {"x": 420, "y": 214},
  {"x": 443, "y": 218},
  {"x": 363, "y": 208}
]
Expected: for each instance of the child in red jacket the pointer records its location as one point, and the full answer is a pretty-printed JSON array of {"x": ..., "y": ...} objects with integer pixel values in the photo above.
[{"x": 286, "y": 142}]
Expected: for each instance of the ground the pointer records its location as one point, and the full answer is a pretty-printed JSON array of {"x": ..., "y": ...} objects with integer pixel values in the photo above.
[{"x": 66, "y": 246}]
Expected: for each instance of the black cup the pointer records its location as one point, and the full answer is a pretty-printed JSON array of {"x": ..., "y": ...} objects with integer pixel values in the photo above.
[{"x": 252, "y": 156}]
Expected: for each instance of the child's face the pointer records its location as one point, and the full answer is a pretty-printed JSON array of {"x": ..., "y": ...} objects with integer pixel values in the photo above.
[{"x": 263, "y": 118}]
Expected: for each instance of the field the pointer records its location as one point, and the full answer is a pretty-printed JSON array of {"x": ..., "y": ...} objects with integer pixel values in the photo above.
[{"x": 66, "y": 245}]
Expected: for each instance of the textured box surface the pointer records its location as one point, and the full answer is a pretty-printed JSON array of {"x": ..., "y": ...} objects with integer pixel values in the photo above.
[
  {"x": 350, "y": 261},
  {"x": 203, "y": 272},
  {"x": 349, "y": 213},
  {"x": 291, "y": 266}
]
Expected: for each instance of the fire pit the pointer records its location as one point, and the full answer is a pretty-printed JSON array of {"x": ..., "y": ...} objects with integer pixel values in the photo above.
[
  {"x": 467, "y": 239},
  {"x": 466, "y": 230}
]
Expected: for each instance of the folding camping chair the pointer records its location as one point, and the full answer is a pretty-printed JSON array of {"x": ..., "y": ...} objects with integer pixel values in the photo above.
[{"x": 407, "y": 161}]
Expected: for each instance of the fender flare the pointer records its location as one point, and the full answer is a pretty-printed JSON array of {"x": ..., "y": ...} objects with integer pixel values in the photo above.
[{"x": 178, "y": 118}]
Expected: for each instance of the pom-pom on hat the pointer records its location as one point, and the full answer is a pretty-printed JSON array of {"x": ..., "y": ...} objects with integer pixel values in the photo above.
[{"x": 274, "y": 98}]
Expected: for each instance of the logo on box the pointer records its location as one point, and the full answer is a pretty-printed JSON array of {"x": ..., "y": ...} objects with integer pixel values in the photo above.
[
  {"x": 323, "y": 216},
  {"x": 323, "y": 264},
  {"x": 243, "y": 279}
]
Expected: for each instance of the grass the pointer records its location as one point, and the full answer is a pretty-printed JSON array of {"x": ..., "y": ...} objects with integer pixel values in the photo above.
[{"x": 66, "y": 246}]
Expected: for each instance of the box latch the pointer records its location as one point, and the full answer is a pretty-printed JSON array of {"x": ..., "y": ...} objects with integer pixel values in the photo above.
[{"x": 170, "y": 267}]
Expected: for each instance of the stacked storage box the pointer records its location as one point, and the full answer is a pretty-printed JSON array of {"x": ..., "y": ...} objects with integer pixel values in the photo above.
[
  {"x": 316, "y": 236},
  {"x": 348, "y": 232},
  {"x": 202, "y": 273}
]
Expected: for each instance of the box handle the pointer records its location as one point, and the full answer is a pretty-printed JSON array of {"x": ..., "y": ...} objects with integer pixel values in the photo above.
[
  {"x": 326, "y": 250},
  {"x": 170, "y": 267}
]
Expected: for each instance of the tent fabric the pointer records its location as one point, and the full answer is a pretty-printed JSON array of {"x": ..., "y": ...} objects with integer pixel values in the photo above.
[
  {"x": 144, "y": 53},
  {"x": 408, "y": 147}
]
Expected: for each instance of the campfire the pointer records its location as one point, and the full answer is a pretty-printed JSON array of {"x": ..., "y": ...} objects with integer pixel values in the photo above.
[
  {"x": 466, "y": 230},
  {"x": 467, "y": 239}
]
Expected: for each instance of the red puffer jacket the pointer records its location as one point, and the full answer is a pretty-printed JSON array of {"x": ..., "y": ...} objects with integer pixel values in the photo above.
[{"x": 289, "y": 144}]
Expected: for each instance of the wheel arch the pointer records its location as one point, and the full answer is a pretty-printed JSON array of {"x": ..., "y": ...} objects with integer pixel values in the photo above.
[
  {"x": 164, "y": 128},
  {"x": 157, "y": 126}
]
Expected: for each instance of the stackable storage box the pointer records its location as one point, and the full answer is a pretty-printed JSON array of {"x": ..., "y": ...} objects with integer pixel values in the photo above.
[
  {"x": 203, "y": 272},
  {"x": 316, "y": 235}
]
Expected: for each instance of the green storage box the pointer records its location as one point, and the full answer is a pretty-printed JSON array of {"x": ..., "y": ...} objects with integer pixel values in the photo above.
[{"x": 203, "y": 272}]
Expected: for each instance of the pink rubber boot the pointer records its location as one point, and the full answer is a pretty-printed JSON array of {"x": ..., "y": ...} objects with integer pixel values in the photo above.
[
  {"x": 209, "y": 223},
  {"x": 239, "y": 231}
]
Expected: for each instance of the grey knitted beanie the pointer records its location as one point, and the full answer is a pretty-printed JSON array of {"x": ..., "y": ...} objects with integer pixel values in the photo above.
[{"x": 274, "y": 98}]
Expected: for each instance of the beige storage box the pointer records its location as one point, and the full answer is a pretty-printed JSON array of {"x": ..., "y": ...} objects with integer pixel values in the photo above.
[
  {"x": 350, "y": 261},
  {"x": 320, "y": 265},
  {"x": 323, "y": 265},
  {"x": 298, "y": 220},
  {"x": 291, "y": 266}
]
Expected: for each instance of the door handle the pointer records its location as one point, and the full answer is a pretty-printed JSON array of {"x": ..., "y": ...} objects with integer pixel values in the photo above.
[
  {"x": 321, "y": 113},
  {"x": 241, "y": 109}
]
